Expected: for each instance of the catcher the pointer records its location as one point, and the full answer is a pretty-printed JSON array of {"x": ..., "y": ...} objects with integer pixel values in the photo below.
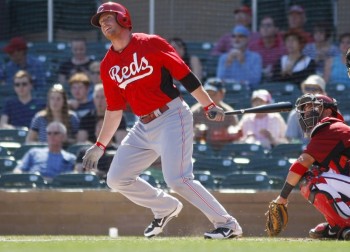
[{"x": 322, "y": 170}]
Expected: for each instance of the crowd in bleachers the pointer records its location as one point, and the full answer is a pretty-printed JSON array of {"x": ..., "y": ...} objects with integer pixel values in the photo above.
[{"x": 43, "y": 83}]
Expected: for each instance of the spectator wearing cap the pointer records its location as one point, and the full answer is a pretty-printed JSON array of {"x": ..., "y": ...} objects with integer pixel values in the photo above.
[
  {"x": 335, "y": 67},
  {"x": 216, "y": 134},
  {"x": 79, "y": 87},
  {"x": 266, "y": 129},
  {"x": 294, "y": 66},
  {"x": 314, "y": 84},
  {"x": 242, "y": 16},
  {"x": 297, "y": 20},
  {"x": 269, "y": 45},
  {"x": 240, "y": 64},
  {"x": 17, "y": 49}
]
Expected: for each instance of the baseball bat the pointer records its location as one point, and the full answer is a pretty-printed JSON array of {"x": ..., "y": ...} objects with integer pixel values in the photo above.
[{"x": 268, "y": 108}]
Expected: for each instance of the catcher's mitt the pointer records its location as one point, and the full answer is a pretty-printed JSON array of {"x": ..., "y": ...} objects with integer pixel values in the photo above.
[{"x": 277, "y": 218}]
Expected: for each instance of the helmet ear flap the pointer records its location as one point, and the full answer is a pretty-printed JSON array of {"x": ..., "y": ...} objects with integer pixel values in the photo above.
[{"x": 123, "y": 20}]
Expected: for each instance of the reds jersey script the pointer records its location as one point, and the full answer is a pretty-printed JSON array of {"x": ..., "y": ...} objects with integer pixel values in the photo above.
[{"x": 142, "y": 74}]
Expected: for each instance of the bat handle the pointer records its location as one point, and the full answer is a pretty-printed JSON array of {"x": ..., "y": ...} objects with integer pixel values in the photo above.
[{"x": 212, "y": 114}]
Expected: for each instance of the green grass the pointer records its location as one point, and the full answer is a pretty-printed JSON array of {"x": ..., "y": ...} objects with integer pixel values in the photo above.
[{"x": 163, "y": 244}]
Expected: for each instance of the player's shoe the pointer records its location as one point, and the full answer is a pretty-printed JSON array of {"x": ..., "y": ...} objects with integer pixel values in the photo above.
[
  {"x": 223, "y": 233},
  {"x": 346, "y": 234},
  {"x": 157, "y": 225},
  {"x": 324, "y": 230}
]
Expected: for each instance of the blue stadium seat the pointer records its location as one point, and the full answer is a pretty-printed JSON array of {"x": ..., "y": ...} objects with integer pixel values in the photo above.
[
  {"x": 22, "y": 181},
  {"x": 7, "y": 164},
  {"x": 73, "y": 180},
  {"x": 246, "y": 180}
]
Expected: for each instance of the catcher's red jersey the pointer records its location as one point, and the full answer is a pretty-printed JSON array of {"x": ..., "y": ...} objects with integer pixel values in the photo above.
[
  {"x": 142, "y": 74},
  {"x": 330, "y": 145}
]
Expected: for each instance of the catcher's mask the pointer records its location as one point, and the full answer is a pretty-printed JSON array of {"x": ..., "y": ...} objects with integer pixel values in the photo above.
[{"x": 309, "y": 108}]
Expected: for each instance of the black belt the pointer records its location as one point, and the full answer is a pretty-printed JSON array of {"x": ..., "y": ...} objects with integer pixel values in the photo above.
[{"x": 153, "y": 115}]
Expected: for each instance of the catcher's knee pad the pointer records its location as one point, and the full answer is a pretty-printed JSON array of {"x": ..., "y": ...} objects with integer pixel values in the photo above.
[{"x": 326, "y": 204}]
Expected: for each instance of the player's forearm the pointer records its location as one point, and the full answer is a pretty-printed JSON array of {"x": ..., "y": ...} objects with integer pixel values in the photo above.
[
  {"x": 110, "y": 125},
  {"x": 202, "y": 96}
]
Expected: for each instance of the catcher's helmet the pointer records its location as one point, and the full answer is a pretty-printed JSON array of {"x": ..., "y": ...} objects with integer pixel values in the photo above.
[
  {"x": 309, "y": 117},
  {"x": 123, "y": 16}
]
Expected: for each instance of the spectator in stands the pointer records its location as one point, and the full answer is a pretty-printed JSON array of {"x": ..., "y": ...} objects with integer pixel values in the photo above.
[
  {"x": 105, "y": 161},
  {"x": 19, "y": 111},
  {"x": 86, "y": 133},
  {"x": 242, "y": 16},
  {"x": 191, "y": 60},
  {"x": 322, "y": 48},
  {"x": 266, "y": 129},
  {"x": 216, "y": 134},
  {"x": 79, "y": 62},
  {"x": 335, "y": 69},
  {"x": 56, "y": 110},
  {"x": 52, "y": 160},
  {"x": 314, "y": 84},
  {"x": 240, "y": 64},
  {"x": 17, "y": 51},
  {"x": 269, "y": 45},
  {"x": 79, "y": 88},
  {"x": 297, "y": 20},
  {"x": 94, "y": 74},
  {"x": 294, "y": 67}
]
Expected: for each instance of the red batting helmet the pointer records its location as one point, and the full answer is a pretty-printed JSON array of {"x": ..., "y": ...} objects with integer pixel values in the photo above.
[{"x": 123, "y": 16}]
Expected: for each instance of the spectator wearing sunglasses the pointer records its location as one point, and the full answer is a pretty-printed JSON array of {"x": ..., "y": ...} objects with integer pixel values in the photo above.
[
  {"x": 18, "y": 111},
  {"x": 314, "y": 84},
  {"x": 52, "y": 160}
]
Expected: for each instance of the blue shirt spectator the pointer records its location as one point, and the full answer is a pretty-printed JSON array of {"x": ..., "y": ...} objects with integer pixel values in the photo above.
[
  {"x": 52, "y": 160},
  {"x": 240, "y": 64},
  {"x": 19, "y": 111},
  {"x": 335, "y": 70},
  {"x": 19, "y": 60},
  {"x": 47, "y": 163},
  {"x": 19, "y": 114}
]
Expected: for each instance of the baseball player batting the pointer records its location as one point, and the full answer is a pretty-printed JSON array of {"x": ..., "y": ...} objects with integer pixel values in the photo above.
[
  {"x": 138, "y": 69},
  {"x": 327, "y": 184}
]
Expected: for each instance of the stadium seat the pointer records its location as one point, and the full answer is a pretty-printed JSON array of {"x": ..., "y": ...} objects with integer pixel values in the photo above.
[
  {"x": 242, "y": 150},
  {"x": 276, "y": 167},
  {"x": 19, "y": 153},
  {"x": 73, "y": 180},
  {"x": 286, "y": 150},
  {"x": 147, "y": 176},
  {"x": 22, "y": 181},
  {"x": 74, "y": 148},
  {"x": 13, "y": 135},
  {"x": 4, "y": 152},
  {"x": 7, "y": 164},
  {"x": 246, "y": 180},
  {"x": 206, "y": 179},
  {"x": 201, "y": 149},
  {"x": 282, "y": 91},
  {"x": 218, "y": 167}
]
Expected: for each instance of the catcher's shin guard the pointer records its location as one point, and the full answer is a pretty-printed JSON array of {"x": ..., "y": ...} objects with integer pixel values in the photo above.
[{"x": 325, "y": 204}]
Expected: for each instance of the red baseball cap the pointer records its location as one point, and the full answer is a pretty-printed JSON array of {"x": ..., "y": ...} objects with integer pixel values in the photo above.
[
  {"x": 245, "y": 9},
  {"x": 15, "y": 44}
]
